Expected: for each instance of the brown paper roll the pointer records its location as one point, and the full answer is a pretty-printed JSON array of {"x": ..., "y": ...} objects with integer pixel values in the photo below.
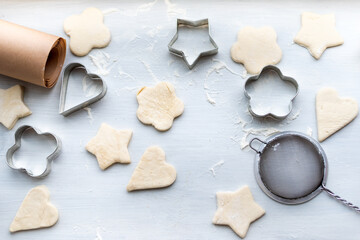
[{"x": 30, "y": 55}]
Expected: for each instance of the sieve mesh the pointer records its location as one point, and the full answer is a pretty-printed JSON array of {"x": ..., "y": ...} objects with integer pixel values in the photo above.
[{"x": 291, "y": 167}]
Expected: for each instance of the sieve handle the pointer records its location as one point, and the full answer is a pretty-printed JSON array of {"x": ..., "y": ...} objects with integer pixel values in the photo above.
[
  {"x": 251, "y": 144},
  {"x": 343, "y": 201}
]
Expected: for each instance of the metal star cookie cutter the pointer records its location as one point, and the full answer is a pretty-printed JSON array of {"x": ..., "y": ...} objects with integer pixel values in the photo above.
[
  {"x": 65, "y": 81},
  {"x": 18, "y": 135},
  {"x": 250, "y": 92},
  {"x": 194, "y": 24}
]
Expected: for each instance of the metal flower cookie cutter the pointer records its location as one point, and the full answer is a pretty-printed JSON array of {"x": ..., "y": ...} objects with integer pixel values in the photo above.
[
  {"x": 191, "y": 25},
  {"x": 18, "y": 136},
  {"x": 82, "y": 75},
  {"x": 292, "y": 168},
  {"x": 270, "y": 93}
]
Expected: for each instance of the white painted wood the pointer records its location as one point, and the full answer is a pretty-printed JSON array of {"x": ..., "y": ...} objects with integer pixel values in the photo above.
[{"x": 89, "y": 199}]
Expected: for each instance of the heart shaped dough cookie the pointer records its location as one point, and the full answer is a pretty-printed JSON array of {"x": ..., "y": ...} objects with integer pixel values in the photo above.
[
  {"x": 36, "y": 211},
  {"x": 333, "y": 113},
  {"x": 152, "y": 171}
]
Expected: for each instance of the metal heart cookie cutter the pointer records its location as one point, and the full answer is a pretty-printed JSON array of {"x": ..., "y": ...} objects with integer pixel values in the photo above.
[
  {"x": 271, "y": 94},
  {"x": 18, "y": 135},
  {"x": 181, "y": 24},
  {"x": 292, "y": 168},
  {"x": 64, "y": 88}
]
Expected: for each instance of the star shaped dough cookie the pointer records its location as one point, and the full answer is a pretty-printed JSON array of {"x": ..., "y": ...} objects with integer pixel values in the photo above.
[
  {"x": 87, "y": 31},
  {"x": 110, "y": 146},
  {"x": 256, "y": 48},
  {"x": 237, "y": 210},
  {"x": 159, "y": 105},
  {"x": 12, "y": 106},
  {"x": 317, "y": 33}
]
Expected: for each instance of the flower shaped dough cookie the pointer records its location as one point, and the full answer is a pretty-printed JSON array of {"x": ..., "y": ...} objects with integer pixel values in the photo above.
[
  {"x": 256, "y": 48},
  {"x": 159, "y": 106},
  {"x": 12, "y": 106},
  {"x": 87, "y": 31},
  {"x": 317, "y": 33}
]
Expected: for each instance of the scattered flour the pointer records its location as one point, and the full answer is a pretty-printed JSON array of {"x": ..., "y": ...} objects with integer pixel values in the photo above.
[
  {"x": 98, "y": 236},
  {"x": 130, "y": 89},
  {"x": 207, "y": 92},
  {"x": 110, "y": 10},
  {"x": 275, "y": 146},
  {"x": 170, "y": 62},
  {"x": 250, "y": 130},
  {"x": 309, "y": 131},
  {"x": 294, "y": 116},
  {"x": 90, "y": 116},
  {"x": 146, "y": 7},
  {"x": 176, "y": 73},
  {"x": 216, "y": 166},
  {"x": 89, "y": 88},
  {"x": 154, "y": 31},
  {"x": 244, "y": 74},
  {"x": 258, "y": 132},
  {"x": 147, "y": 66},
  {"x": 172, "y": 9},
  {"x": 122, "y": 73},
  {"x": 216, "y": 67},
  {"x": 219, "y": 65},
  {"x": 140, "y": 9},
  {"x": 102, "y": 61},
  {"x": 209, "y": 98}
]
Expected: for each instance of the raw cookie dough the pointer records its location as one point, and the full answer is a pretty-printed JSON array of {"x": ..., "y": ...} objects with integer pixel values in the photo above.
[
  {"x": 36, "y": 211},
  {"x": 12, "y": 106},
  {"x": 87, "y": 31},
  {"x": 159, "y": 105},
  {"x": 317, "y": 33},
  {"x": 152, "y": 171},
  {"x": 237, "y": 210},
  {"x": 333, "y": 113},
  {"x": 256, "y": 48},
  {"x": 110, "y": 146}
]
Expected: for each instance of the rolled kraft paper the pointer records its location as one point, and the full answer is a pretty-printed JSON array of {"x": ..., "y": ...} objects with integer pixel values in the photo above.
[{"x": 30, "y": 55}]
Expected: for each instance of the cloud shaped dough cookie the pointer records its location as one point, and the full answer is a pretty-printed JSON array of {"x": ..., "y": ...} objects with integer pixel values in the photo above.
[
  {"x": 159, "y": 105},
  {"x": 256, "y": 48},
  {"x": 87, "y": 31}
]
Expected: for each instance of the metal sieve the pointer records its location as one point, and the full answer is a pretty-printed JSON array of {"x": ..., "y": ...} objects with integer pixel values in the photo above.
[{"x": 291, "y": 168}]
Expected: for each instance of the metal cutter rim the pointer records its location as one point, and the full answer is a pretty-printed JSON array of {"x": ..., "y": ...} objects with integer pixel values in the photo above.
[
  {"x": 188, "y": 23},
  {"x": 18, "y": 135}
]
